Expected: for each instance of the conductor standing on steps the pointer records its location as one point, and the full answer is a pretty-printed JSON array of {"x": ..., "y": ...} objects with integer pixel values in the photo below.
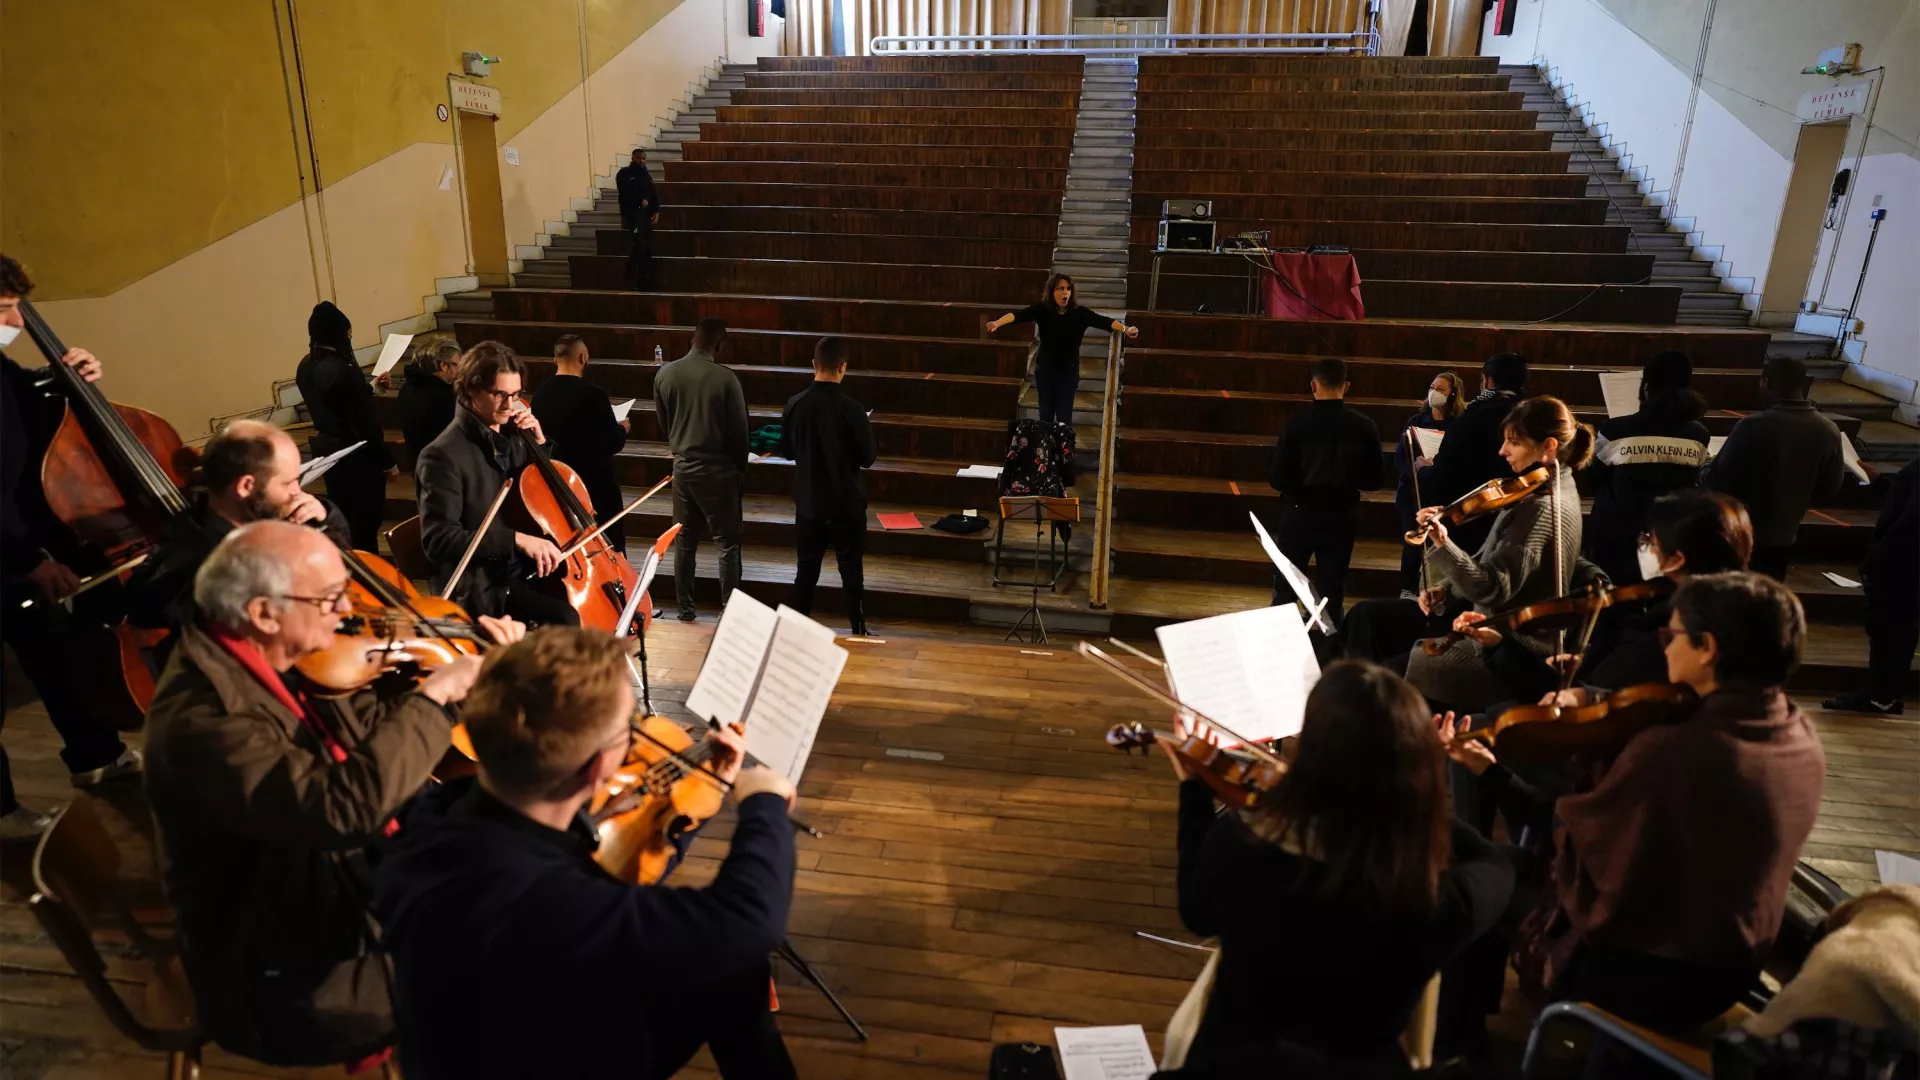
[
  {"x": 1061, "y": 324},
  {"x": 826, "y": 435},
  {"x": 1327, "y": 455},
  {"x": 703, "y": 413},
  {"x": 639, "y": 213}
]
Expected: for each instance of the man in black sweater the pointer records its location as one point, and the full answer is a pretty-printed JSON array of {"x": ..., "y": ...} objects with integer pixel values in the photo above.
[
  {"x": 491, "y": 887},
  {"x": 639, "y": 213},
  {"x": 1892, "y": 575},
  {"x": 1327, "y": 455},
  {"x": 1779, "y": 461},
  {"x": 1470, "y": 454},
  {"x": 826, "y": 435},
  {"x": 578, "y": 416}
]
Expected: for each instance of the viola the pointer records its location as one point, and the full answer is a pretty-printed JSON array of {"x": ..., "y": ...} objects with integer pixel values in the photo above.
[
  {"x": 1560, "y": 613},
  {"x": 1539, "y": 733},
  {"x": 598, "y": 577},
  {"x": 1237, "y": 778},
  {"x": 1489, "y": 498}
]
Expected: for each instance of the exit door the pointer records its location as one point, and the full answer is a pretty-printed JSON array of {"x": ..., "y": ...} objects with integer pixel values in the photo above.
[{"x": 486, "y": 217}]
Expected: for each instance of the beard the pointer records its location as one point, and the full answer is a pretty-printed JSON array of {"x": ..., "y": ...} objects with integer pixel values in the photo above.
[{"x": 257, "y": 507}]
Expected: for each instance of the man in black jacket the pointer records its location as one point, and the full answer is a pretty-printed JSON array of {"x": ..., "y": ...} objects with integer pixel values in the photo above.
[
  {"x": 252, "y": 470},
  {"x": 460, "y": 474},
  {"x": 1470, "y": 454},
  {"x": 491, "y": 886},
  {"x": 1779, "y": 461},
  {"x": 1327, "y": 455},
  {"x": 1639, "y": 458},
  {"x": 340, "y": 400},
  {"x": 579, "y": 416},
  {"x": 639, "y": 213},
  {"x": 826, "y": 435},
  {"x": 1892, "y": 575}
]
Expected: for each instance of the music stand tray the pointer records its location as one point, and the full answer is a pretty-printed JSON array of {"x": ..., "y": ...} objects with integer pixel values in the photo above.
[{"x": 1041, "y": 510}]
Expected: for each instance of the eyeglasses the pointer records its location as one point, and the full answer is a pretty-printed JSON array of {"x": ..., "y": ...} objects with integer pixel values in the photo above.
[
  {"x": 500, "y": 396},
  {"x": 327, "y": 602},
  {"x": 1668, "y": 634}
]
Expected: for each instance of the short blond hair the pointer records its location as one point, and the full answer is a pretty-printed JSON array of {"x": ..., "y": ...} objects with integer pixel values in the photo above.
[{"x": 539, "y": 709}]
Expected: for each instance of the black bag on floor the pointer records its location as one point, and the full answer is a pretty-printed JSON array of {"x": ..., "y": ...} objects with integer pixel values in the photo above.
[{"x": 1022, "y": 1061}]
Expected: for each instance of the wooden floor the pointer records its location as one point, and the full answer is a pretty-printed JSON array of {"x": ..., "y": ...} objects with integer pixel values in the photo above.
[{"x": 987, "y": 860}]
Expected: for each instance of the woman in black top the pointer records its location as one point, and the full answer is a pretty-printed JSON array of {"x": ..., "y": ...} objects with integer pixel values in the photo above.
[
  {"x": 1443, "y": 402},
  {"x": 1061, "y": 324},
  {"x": 426, "y": 398},
  {"x": 339, "y": 397},
  {"x": 1338, "y": 897}
]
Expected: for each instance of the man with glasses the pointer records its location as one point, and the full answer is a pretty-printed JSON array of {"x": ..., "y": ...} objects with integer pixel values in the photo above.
[
  {"x": 460, "y": 474},
  {"x": 266, "y": 794},
  {"x": 499, "y": 920}
]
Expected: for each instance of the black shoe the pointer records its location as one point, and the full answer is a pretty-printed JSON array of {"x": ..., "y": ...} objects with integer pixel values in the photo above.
[
  {"x": 860, "y": 630},
  {"x": 1861, "y": 703},
  {"x": 688, "y": 616}
]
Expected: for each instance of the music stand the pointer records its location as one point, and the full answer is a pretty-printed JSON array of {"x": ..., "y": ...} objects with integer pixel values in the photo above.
[{"x": 1041, "y": 510}]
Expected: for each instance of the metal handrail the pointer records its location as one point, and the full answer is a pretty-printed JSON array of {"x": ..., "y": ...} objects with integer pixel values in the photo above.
[
  {"x": 1103, "y": 508},
  {"x": 1151, "y": 42}
]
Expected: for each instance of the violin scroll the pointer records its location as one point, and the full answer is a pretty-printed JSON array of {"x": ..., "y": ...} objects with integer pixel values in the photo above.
[{"x": 1127, "y": 738}]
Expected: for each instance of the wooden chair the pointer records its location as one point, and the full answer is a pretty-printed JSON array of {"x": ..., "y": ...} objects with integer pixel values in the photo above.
[
  {"x": 75, "y": 873},
  {"x": 409, "y": 557}
]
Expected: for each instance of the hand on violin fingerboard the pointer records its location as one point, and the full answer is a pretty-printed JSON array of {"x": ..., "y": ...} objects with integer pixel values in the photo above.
[{"x": 1470, "y": 753}]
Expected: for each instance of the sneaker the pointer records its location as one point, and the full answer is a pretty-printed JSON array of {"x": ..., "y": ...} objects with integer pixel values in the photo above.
[
  {"x": 688, "y": 616},
  {"x": 129, "y": 763},
  {"x": 22, "y": 824},
  {"x": 1861, "y": 703}
]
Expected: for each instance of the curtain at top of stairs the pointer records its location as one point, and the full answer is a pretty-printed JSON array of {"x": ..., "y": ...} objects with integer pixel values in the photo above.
[
  {"x": 1268, "y": 17},
  {"x": 1453, "y": 27},
  {"x": 810, "y": 27}
]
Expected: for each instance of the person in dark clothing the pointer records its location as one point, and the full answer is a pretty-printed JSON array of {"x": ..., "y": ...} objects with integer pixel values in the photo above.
[
  {"x": 339, "y": 398},
  {"x": 1891, "y": 573},
  {"x": 1390, "y": 886},
  {"x": 1779, "y": 461},
  {"x": 826, "y": 435},
  {"x": 1059, "y": 327},
  {"x": 1641, "y": 457},
  {"x": 43, "y": 634},
  {"x": 1671, "y": 869},
  {"x": 491, "y": 886},
  {"x": 639, "y": 213},
  {"x": 460, "y": 474},
  {"x": 425, "y": 401},
  {"x": 703, "y": 412},
  {"x": 1470, "y": 454},
  {"x": 252, "y": 472},
  {"x": 1327, "y": 454},
  {"x": 1443, "y": 403},
  {"x": 585, "y": 435}
]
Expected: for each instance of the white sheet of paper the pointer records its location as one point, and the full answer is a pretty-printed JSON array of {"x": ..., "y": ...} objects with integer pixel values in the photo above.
[
  {"x": 1621, "y": 391},
  {"x": 1302, "y": 588},
  {"x": 1249, "y": 670},
  {"x": 1714, "y": 445},
  {"x": 621, "y": 411},
  {"x": 1429, "y": 439},
  {"x": 391, "y": 352},
  {"x": 1843, "y": 582},
  {"x": 1851, "y": 459},
  {"x": 317, "y": 468},
  {"x": 768, "y": 459},
  {"x": 1105, "y": 1053},
  {"x": 647, "y": 571},
  {"x": 446, "y": 178},
  {"x": 803, "y": 664},
  {"x": 1897, "y": 869},
  {"x": 990, "y": 472},
  {"x": 733, "y": 662}
]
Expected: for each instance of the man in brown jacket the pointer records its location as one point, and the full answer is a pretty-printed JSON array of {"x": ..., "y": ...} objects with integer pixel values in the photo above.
[{"x": 266, "y": 797}]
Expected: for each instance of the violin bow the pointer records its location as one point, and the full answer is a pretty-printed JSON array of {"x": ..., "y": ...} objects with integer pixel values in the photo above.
[
  {"x": 588, "y": 537},
  {"x": 478, "y": 535},
  {"x": 699, "y": 767},
  {"x": 1187, "y": 713}
]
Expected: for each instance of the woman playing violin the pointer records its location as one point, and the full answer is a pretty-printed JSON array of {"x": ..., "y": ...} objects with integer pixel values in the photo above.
[
  {"x": 1528, "y": 556},
  {"x": 1671, "y": 867},
  {"x": 1340, "y": 894}
]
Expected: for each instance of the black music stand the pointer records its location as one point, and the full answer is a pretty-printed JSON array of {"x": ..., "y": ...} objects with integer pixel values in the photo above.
[
  {"x": 792, "y": 956},
  {"x": 1041, "y": 510}
]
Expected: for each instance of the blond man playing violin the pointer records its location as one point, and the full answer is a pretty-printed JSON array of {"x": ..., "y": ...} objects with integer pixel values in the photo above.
[
  {"x": 266, "y": 797},
  {"x": 500, "y": 921}
]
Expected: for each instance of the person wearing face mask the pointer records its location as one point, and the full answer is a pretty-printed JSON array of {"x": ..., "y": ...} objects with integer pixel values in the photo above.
[
  {"x": 252, "y": 472},
  {"x": 1642, "y": 456},
  {"x": 1470, "y": 455},
  {"x": 1442, "y": 405}
]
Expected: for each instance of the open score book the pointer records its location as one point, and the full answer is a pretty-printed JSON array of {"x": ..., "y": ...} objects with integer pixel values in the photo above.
[{"x": 774, "y": 672}]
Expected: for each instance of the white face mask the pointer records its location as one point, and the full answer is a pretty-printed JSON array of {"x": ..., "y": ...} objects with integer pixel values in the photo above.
[
  {"x": 1649, "y": 563},
  {"x": 1436, "y": 399},
  {"x": 7, "y": 334}
]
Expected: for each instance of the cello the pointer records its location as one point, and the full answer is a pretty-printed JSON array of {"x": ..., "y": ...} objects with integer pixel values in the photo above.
[
  {"x": 112, "y": 475},
  {"x": 598, "y": 577}
]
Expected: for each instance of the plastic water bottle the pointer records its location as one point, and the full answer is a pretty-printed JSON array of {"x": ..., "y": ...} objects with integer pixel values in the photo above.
[{"x": 659, "y": 354}]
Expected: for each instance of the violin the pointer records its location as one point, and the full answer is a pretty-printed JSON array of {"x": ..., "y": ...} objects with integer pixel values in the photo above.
[
  {"x": 1540, "y": 733},
  {"x": 653, "y": 800},
  {"x": 1237, "y": 778},
  {"x": 1489, "y": 498},
  {"x": 1560, "y": 613},
  {"x": 391, "y": 628},
  {"x": 598, "y": 577}
]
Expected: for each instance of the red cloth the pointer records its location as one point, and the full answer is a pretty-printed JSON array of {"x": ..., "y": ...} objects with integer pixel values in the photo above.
[{"x": 1322, "y": 287}]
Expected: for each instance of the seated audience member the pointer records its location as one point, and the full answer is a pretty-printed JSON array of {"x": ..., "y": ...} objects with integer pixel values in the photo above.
[
  {"x": 1327, "y": 454},
  {"x": 266, "y": 795},
  {"x": 1891, "y": 573},
  {"x": 1779, "y": 462},
  {"x": 1642, "y": 456},
  {"x": 252, "y": 472},
  {"x": 426, "y": 399},
  {"x": 1671, "y": 871},
  {"x": 1437, "y": 413},
  {"x": 1356, "y": 853},
  {"x": 491, "y": 887}
]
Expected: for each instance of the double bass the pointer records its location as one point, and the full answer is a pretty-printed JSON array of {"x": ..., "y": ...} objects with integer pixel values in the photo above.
[
  {"x": 597, "y": 576},
  {"x": 112, "y": 475}
]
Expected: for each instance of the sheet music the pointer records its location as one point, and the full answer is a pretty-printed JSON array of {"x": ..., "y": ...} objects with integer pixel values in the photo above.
[
  {"x": 733, "y": 662},
  {"x": 1621, "y": 391},
  {"x": 1302, "y": 588},
  {"x": 1897, "y": 869},
  {"x": 989, "y": 472},
  {"x": 1714, "y": 445},
  {"x": 621, "y": 410},
  {"x": 1250, "y": 670},
  {"x": 317, "y": 468},
  {"x": 1429, "y": 441},
  {"x": 391, "y": 352},
  {"x": 1851, "y": 459},
  {"x": 803, "y": 664},
  {"x": 1105, "y": 1053}
]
